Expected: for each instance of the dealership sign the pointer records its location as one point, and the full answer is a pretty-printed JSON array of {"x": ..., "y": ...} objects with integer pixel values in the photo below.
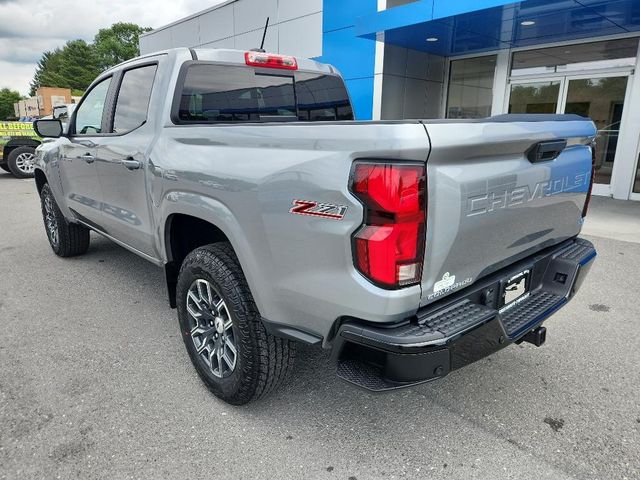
[{"x": 17, "y": 129}]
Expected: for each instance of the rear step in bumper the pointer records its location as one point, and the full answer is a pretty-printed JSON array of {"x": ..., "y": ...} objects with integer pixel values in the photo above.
[{"x": 465, "y": 327}]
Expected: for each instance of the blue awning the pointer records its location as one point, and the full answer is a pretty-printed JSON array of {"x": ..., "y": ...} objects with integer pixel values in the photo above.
[{"x": 455, "y": 27}]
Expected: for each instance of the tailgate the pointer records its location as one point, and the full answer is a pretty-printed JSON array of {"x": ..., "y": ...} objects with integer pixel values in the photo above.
[{"x": 489, "y": 204}]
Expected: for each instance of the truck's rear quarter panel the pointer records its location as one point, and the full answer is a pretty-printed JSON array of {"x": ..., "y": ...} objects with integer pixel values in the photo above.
[{"x": 244, "y": 178}]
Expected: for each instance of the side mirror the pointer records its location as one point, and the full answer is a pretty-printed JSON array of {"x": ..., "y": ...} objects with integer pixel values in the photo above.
[{"x": 48, "y": 128}]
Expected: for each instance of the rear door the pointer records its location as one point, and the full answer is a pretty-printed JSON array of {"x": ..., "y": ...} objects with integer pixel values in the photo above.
[
  {"x": 78, "y": 156},
  {"x": 491, "y": 203},
  {"x": 123, "y": 163}
]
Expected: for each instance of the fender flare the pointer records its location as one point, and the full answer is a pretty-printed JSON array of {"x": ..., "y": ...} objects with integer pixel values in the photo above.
[{"x": 219, "y": 215}]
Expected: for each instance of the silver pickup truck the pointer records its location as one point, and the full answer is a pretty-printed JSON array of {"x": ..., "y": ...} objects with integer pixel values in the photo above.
[{"x": 410, "y": 248}]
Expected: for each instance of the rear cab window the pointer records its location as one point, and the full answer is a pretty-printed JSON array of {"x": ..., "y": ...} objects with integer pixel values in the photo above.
[
  {"x": 212, "y": 93},
  {"x": 133, "y": 98}
]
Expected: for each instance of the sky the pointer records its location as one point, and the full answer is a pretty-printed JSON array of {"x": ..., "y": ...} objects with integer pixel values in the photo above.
[{"x": 30, "y": 27}]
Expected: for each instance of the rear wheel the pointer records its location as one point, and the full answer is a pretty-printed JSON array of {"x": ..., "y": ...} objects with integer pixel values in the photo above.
[
  {"x": 66, "y": 239},
  {"x": 222, "y": 330},
  {"x": 21, "y": 161}
]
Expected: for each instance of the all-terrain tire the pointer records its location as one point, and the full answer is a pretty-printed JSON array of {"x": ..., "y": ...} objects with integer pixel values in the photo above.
[
  {"x": 66, "y": 239},
  {"x": 17, "y": 163},
  {"x": 262, "y": 361}
]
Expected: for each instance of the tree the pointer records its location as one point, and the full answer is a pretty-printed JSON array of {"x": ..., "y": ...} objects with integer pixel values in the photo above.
[
  {"x": 118, "y": 43},
  {"x": 74, "y": 66},
  {"x": 47, "y": 71},
  {"x": 78, "y": 63},
  {"x": 7, "y": 99}
]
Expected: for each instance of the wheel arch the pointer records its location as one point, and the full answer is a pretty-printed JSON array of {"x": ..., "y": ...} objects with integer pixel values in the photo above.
[
  {"x": 183, "y": 233},
  {"x": 13, "y": 144},
  {"x": 44, "y": 174},
  {"x": 223, "y": 225},
  {"x": 40, "y": 178}
]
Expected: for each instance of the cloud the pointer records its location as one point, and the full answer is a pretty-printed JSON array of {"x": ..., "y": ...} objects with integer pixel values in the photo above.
[
  {"x": 16, "y": 75},
  {"x": 27, "y": 50},
  {"x": 28, "y": 28}
]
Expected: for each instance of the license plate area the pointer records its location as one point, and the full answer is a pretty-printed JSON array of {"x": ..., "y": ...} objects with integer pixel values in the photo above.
[{"x": 515, "y": 289}]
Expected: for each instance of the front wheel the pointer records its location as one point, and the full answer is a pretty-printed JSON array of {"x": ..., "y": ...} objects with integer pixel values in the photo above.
[
  {"x": 66, "y": 239},
  {"x": 222, "y": 330},
  {"x": 21, "y": 162}
]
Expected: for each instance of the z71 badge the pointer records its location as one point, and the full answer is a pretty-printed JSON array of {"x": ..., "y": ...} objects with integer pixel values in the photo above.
[{"x": 315, "y": 209}]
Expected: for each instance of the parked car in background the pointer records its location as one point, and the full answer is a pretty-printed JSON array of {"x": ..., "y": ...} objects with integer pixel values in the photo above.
[
  {"x": 410, "y": 248},
  {"x": 18, "y": 142}
]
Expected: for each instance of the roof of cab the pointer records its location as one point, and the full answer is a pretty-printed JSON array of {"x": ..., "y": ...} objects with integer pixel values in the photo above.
[
  {"x": 227, "y": 56},
  {"x": 237, "y": 56}
]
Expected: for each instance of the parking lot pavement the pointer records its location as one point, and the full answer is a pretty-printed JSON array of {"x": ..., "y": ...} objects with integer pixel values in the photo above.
[{"x": 95, "y": 383}]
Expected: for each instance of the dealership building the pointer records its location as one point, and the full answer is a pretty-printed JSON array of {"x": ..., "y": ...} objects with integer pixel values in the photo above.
[{"x": 457, "y": 59}]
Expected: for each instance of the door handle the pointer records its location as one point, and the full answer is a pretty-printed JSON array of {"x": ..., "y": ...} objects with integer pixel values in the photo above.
[
  {"x": 131, "y": 164},
  {"x": 87, "y": 157}
]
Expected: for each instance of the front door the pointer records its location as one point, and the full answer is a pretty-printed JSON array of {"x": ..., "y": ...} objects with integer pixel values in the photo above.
[
  {"x": 600, "y": 97},
  {"x": 78, "y": 156}
]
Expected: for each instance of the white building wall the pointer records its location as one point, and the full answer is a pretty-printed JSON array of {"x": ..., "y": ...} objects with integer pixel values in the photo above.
[
  {"x": 413, "y": 84},
  {"x": 295, "y": 28}
]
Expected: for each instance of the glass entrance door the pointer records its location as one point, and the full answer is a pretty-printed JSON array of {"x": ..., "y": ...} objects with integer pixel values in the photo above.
[
  {"x": 599, "y": 97},
  {"x": 602, "y": 100},
  {"x": 535, "y": 97}
]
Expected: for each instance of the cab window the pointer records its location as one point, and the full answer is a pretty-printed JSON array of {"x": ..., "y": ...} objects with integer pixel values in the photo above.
[
  {"x": 214, "y": 93},
  {"x": 132, "y": 104},
  {"x": 89, "y": 113}
]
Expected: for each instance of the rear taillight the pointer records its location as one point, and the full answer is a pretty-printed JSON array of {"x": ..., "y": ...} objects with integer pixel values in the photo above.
[
  {"x": 591, "y": 180},
  {"x": 270, "y": 60},
  {"x": 389, "y": 247}
]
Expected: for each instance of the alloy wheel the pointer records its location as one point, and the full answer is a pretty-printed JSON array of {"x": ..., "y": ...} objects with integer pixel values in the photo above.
[
  {"x": 50, "y": 220},
  {"x": 25, "y": 163},
  {"x": 211, "y": 328}
]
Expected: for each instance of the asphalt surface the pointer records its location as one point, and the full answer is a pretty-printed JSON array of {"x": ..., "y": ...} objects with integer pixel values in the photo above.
[{"x": 95, "y": 383}]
